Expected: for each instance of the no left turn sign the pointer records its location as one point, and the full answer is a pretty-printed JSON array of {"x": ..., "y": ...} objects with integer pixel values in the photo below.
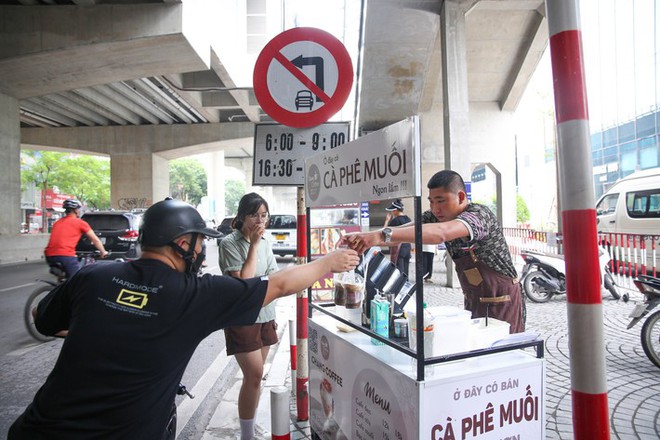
[{"x": 302, "y": 77}]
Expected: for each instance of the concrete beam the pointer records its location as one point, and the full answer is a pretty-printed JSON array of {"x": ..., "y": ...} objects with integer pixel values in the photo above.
[
  {"x": 528, "y": 59},
  {"x": 242, "y": 97},
  {"x": 219, "y": 99},
  {"x": 48, "y": 50},
  {"x": 162, "y": 139},
  {"x": 193, "y": 97}
]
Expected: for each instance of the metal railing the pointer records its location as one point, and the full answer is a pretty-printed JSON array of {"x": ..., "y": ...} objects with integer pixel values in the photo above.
[{"x": 632, "y": 254}]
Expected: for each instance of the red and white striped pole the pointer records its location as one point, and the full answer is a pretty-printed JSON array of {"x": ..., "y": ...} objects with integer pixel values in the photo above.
[
  {"x": 585, "y": 308},
  {"x": 302, "y": 369},
  {"x": 293, "y": 351}
]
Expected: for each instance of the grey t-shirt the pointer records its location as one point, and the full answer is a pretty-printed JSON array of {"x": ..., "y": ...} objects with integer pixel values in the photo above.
[
  {"x": 486, "y": 239},
  {"x": 233, "y": 252}
]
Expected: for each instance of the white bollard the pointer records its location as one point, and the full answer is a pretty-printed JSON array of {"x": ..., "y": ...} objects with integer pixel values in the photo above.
[
  {"x": 280, "y": 423},
  {"x": 292, "y": 347}
]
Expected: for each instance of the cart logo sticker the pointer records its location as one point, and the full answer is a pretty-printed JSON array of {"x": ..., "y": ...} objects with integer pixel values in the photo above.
[
  {"x": 325, "y": 348},
  {"x": 313, "y": 182},
  {"x": 132, "y": 299}
]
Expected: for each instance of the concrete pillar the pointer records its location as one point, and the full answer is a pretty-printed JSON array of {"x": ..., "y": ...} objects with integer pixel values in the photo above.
[
  {"x": 455, "y": 89},
  {"x": 14, "y": 247},
  {"x": 455, "y": 99},
  {"x": 138, "y": 180},
  {"x": 216, "y": 184},
  {"x": 10, "y": 170}
]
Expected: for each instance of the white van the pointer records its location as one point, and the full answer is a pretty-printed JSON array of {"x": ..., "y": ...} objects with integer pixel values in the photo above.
[
  {"x": 631, "y": 205},
  {"x": 282, "y": 233}
]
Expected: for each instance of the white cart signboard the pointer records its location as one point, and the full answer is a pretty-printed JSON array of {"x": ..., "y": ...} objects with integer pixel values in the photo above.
[
  {"x": 376, "y": 396},
  {"x": 383, "y": 165}
]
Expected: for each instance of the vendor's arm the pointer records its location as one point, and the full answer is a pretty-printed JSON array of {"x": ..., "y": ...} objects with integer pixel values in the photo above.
[
  {"x": 296, "y": 278},
  {"x": 432, "y": 233}
]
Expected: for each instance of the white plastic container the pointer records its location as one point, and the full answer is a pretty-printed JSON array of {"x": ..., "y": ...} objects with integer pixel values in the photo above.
[
  {"x": 429, "y": 331},
  {"x": 482, "y": 336},
  {"x": 451, "y": 329},
  {"x": 452, "y": 325}
]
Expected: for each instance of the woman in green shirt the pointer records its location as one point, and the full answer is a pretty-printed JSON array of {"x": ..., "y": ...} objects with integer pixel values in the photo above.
[{"x": 245, "y": 253}]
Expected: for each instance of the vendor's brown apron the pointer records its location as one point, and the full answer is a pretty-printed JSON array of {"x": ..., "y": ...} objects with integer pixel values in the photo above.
[{"x": 502, "y": 295}]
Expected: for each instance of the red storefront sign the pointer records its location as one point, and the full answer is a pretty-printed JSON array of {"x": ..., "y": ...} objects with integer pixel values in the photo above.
[{"x": 54, "y": 200}]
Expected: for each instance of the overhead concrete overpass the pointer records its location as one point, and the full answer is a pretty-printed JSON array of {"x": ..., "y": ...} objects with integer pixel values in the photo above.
[{"x": 147, "y": 81}]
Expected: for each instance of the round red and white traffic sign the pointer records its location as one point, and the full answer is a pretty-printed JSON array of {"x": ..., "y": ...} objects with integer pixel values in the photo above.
[{"x": 302, "y": 77}]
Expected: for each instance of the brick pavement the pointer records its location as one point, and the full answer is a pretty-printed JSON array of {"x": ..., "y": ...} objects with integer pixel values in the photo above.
[{"x": 633, "y": 381}]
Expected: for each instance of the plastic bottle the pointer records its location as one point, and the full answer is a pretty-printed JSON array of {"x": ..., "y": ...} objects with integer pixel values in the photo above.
[
  {"x": 380, "y": 317},
  {"x": 429, "y": 331}
]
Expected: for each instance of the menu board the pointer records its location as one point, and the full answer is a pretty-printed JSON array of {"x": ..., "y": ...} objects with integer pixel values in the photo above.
[{"x": 361, "y": 399}]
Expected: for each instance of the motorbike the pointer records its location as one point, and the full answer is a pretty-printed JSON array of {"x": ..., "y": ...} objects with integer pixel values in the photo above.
[
  {"x": 544, "y": 275},
  {"x": 650, "y": 288}
]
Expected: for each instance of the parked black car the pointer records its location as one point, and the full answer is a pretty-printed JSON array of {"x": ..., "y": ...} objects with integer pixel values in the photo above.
[
  {"x": 118, "y": 231},
  {"x": 224, "y": 228}
]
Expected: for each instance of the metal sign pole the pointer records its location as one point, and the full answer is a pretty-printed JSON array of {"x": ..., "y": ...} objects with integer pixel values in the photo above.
[{"x": 302, "y": 302}]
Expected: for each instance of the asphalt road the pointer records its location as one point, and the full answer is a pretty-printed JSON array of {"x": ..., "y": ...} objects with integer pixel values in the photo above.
[{"x": 25, "y": 362}]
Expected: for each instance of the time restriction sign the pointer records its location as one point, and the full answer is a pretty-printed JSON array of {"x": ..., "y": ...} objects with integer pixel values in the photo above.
[
  {"x": 280, "y": 151},
  {"x": 302, "y": 77}
]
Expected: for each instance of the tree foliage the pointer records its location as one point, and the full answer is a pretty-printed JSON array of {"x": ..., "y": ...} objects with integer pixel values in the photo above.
[
  {"x": 187, "y": 180},
  {"x": 234, "y": 190},
  {"x": 87, "y": 178},
  {"x": 490, "y": 204},
  {"x": 522, "y": 211}
]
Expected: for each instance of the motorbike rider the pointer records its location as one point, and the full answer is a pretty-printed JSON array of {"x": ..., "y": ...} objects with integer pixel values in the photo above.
[
  {"x": 475, "y": 242},
  {"x": 133, "y": 327},
  {"x": 65, "y": 235}
]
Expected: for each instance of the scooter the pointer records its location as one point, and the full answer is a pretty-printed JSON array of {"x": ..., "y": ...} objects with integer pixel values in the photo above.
[
  {"x": 544, "y": 275},
  {"x": 650, "y": 287}
]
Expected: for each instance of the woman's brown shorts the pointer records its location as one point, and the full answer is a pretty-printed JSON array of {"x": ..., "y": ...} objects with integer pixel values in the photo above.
[{"x": 247, "y": 338}]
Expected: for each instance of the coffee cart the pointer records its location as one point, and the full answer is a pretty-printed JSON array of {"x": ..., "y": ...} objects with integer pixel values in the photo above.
[{"x": 365, "y": 386}]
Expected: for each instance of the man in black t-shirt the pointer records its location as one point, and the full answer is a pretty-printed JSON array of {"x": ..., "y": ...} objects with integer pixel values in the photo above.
[{"x": 134, "y": 326}]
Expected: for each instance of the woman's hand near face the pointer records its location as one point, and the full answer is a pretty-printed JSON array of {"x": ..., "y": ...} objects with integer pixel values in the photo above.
[{"x": 256, "y": 232}]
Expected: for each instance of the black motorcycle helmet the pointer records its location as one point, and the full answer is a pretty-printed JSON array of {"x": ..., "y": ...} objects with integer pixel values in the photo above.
[{"x": 166, "y": 220}]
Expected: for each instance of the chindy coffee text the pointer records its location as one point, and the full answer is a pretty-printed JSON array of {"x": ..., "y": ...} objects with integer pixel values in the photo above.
[
  {"x": 504, "y": 415},
  {"x": 327, "y": 371},
  {"x": 378, "y": 168}
]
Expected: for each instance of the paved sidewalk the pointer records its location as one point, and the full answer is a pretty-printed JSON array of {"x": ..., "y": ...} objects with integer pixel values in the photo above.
[{"x": 633, "y": 381}]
